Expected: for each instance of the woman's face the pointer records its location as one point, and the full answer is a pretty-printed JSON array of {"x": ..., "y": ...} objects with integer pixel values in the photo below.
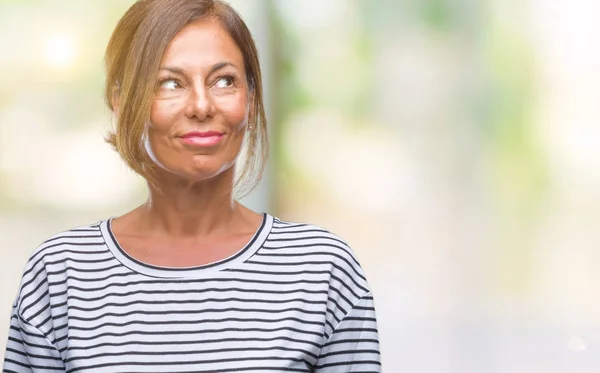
[{"x": 200, "y": 110}]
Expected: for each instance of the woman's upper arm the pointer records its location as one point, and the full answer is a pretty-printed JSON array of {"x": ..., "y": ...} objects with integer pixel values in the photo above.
[
  {"x": 29, "y": 350},
  {"x": 353, "y": 346}
]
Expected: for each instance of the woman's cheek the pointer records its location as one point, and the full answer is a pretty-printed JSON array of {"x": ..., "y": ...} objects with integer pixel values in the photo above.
[
  {"x": 236, "y": 112},
  {"x": 163, "y": 112}
]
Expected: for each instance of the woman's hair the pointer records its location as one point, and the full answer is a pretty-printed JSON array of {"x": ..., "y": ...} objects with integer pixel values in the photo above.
[{"x": 133, "y": 58}]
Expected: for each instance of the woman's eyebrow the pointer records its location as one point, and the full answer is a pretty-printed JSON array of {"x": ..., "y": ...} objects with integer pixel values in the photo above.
[{"x": 216, "y": 67}]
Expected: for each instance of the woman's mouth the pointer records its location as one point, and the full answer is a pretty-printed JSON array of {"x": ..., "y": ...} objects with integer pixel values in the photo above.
[{"x": 202, "y": 139}]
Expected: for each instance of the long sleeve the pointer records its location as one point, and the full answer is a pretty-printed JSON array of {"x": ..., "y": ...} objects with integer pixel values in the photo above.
[
  {"x": 28, "y": 350},
  {"x": 354, "y": 345}
]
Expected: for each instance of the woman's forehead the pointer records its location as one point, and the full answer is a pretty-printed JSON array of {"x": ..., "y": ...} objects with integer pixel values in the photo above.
[{"x": 200, "y": 44}]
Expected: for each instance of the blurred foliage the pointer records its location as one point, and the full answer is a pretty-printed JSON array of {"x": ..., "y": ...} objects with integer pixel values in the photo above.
[
  {"x": 517, "y": 173},
  {"x": 437, "y": 14}
]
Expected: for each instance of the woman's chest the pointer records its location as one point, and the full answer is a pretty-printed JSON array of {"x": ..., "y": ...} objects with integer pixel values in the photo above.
[{"x": 192, "y": 327}]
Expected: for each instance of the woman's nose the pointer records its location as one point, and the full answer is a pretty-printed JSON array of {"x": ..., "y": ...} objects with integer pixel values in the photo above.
[{"x": 200, "y": 104}]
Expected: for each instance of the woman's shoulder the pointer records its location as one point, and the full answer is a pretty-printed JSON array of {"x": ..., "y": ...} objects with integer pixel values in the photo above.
[
  {"x": 69, "y": 240},
  {"x": 297, "y": 233},
  {"x": 313, "y": 244},
  {"x": 82, "y": 244},
  {"x": 73, "y": 244}
]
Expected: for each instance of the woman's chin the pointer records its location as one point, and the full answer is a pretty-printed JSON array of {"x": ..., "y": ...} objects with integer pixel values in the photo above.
[
  {"x": 200, "y": 175},
  {"x": 198, "y": 170}
]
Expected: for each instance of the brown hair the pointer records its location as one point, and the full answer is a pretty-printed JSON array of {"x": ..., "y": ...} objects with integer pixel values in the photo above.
[{"x": 132, "y": 59}]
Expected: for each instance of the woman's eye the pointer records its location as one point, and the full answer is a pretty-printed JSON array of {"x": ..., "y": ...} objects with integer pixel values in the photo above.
[
  {"x": 225, "y": 82},
  {"x": 169, "y": 84}
]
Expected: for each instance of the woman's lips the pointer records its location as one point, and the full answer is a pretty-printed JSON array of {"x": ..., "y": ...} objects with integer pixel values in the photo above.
[{"x": 208, "y": 138}]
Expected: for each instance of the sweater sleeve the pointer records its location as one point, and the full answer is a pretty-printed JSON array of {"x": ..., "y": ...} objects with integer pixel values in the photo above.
[
  {"x": 354, "y": 344},
  {"x": 28, "y": 350}
]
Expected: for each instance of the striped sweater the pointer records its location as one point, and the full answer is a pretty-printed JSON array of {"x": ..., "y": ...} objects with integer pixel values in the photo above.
[{"x": 294, "y": 299}]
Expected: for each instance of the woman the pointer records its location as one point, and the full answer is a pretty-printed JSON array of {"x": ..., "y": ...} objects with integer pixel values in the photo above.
[{"x": 191, "y": 281}]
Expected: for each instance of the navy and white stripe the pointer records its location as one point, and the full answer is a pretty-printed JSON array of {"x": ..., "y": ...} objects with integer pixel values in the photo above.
[{"x": 294, "y": 299}]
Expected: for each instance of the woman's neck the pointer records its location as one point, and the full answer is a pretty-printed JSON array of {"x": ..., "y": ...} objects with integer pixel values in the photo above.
[{"x": 183, "y": 209}]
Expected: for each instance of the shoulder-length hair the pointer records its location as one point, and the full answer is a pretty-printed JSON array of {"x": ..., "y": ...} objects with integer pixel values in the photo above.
[{"x": 133, "y": 58}]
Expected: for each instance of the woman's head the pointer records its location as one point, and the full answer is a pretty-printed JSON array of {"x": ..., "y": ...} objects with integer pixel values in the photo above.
[{"x": 178, "y": 70}]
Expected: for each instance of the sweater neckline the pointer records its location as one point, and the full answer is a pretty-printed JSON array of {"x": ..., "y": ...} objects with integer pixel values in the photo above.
[{"x": 136, "y": 265}]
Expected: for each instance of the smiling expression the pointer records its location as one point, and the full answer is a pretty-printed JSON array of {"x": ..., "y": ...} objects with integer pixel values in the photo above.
[{"x": 201, "y": 106}]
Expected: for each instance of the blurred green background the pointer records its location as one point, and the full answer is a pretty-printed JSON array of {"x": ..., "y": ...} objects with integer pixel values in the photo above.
[{"x": 454, "y": 144}]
